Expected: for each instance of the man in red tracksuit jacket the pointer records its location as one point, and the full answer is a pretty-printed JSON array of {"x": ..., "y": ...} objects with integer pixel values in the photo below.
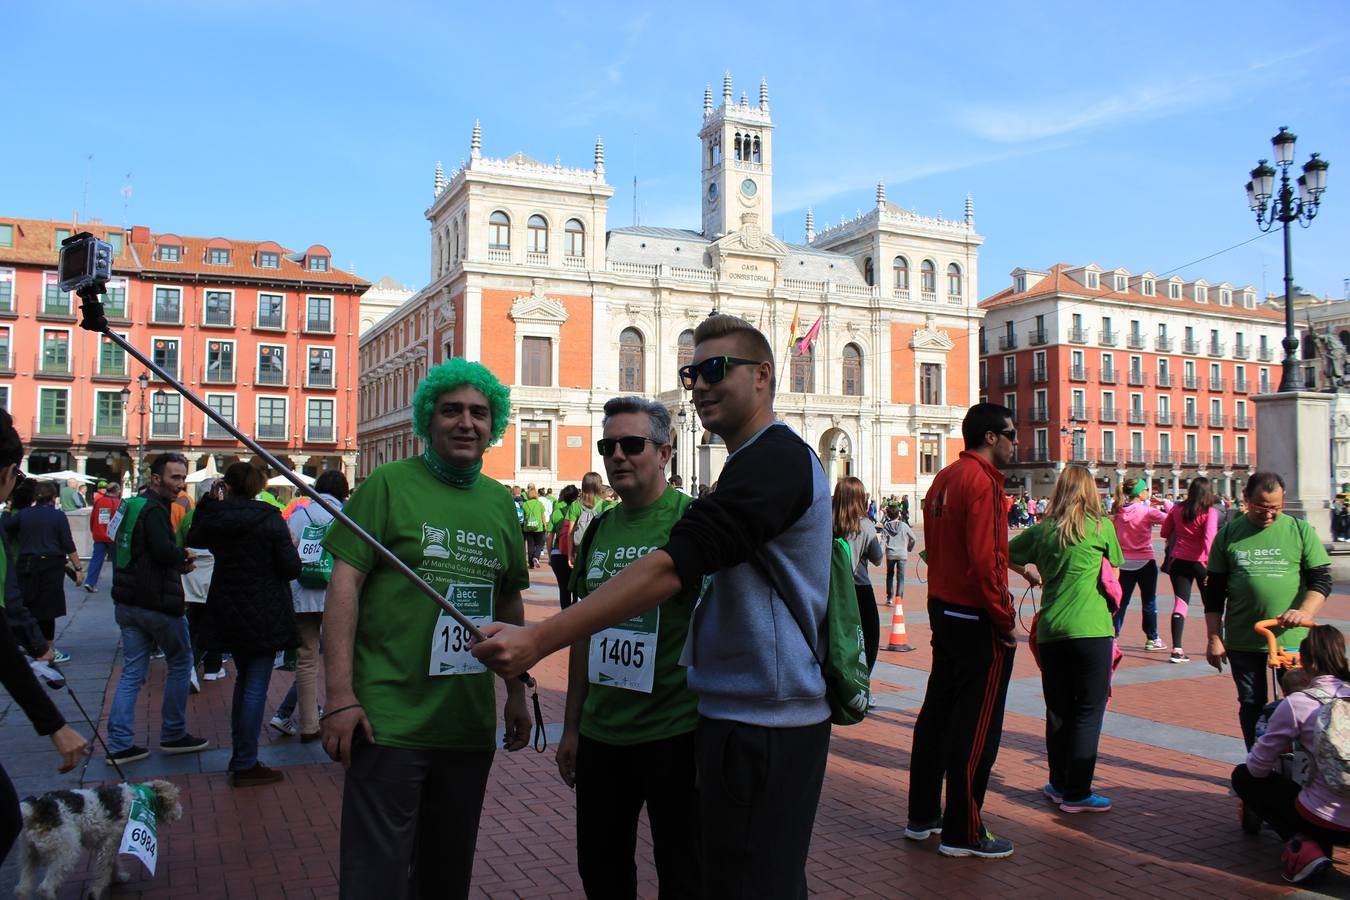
[{"x": 970, "y": 613}]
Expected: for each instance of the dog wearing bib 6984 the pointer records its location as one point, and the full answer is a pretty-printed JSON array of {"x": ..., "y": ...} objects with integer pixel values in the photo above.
[{"x": 59, "y": 826}]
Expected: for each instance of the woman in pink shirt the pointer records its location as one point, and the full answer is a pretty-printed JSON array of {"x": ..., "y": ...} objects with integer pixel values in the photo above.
[
  {"x": 1135, "y": 518},
  {"x": 1191, "y": 525},
  {"x": 1314, "y": 818}
]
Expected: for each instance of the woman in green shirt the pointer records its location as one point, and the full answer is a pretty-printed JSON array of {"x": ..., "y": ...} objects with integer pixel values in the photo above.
[{"x": 1074, "y": 632}]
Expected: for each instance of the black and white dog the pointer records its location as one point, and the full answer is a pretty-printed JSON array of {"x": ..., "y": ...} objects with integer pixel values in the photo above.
[{"x": 59, "y": 826}]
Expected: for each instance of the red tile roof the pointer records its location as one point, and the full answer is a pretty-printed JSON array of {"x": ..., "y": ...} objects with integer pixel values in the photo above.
[
  {"x": 35, "y": 242},
  {"x": 1057, "y": 281}
]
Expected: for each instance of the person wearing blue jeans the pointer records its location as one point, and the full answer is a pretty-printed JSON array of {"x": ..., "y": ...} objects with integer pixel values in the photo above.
[
  {"x": 142, "y": 630},
  {"x": 253, "y": 673}
]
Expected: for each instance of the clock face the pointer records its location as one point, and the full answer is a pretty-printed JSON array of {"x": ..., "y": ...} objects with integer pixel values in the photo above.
[
  {"x": 748, "y": 188},
  {"x": 712, "y": 191}
]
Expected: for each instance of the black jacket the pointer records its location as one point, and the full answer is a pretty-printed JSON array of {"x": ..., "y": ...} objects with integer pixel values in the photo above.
[
  {"x": 154, "y": 579},
  {"x": 249, "y": 608}
]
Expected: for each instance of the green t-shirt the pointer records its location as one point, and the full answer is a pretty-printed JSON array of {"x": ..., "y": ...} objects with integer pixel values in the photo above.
[
  {"x": 562, "y": 512},
  {"x": 449, "y": 536},
  {"x": 1264, "y": 568},
  {"x": 1072, "y": 606},
  {"x": 534, "y": 515},
  {"x": 617, "y": 715}
]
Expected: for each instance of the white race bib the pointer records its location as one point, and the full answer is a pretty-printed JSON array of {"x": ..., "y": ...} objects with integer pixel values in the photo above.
[
  {"x": 450, "y": 641},
  {"x": 311, "y": 550},
  {"x": 625, "y": 656},
  {"x": 114, "y": 524},
  {"x": 105, "y": 515},
  {"x": 139, "y": 837}
]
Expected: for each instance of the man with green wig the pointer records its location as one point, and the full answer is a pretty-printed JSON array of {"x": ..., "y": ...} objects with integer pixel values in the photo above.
[{"x": 411, "y": 712}]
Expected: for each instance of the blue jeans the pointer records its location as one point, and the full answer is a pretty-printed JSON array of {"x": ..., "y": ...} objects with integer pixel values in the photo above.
[
  {"x": 1147, "y": 579},
  {"x": 253, "y": 674},
  {"x": 102, "y": 550},
  {"x": 142, "y": 629},
  {"x": 287, "y": 707}
]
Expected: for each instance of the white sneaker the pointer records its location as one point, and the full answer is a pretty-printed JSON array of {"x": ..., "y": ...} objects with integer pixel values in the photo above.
[
  {"x": 285, "y": 726},
  {"x": 216, "y": 675},
  {"x": 194, "y": 685}
]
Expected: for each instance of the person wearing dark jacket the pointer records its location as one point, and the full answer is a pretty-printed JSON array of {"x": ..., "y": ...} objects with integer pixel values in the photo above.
[
  {"x": 15, "y": 674},
  {"x": 248, "y": 608},
  {"x": 45, "y": 545},
  {"x": 147, "y": 594},
  {"x": 27, "y": 634}
]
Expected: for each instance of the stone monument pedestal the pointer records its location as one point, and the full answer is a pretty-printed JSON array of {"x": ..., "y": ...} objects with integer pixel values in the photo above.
[{"x": 1293, "y": 439}]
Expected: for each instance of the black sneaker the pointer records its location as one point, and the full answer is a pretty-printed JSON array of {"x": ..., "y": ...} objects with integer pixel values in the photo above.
[
  {"x": 989, "y": 847},
  {"x": 922, "y": 831},
  {"x": 129, "y": 755},
  {"x": 185, "y": 744}
]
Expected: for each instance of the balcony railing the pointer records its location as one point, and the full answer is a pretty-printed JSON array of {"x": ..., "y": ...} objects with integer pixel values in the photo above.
[
  {"x": 1107, "y": 456},
  {"x": 1038, "y": 454},
  {"x": 1216, "y": 348},
  {"x": 319, "y": 379},
  {"x": 1163, "y": 380},
  {"x": 1217, "y": 459},
  {"x": 1079, "y": 414},
  {"x": 495, "y": 254},
  {"x": 1217, "y": 420},
  {"x": 218, "y": 316},
  {"x": 215, "y": 432},
  {"x": 1190, "y": 347},
  {"x": 1036, "y": 338},
  {"x": 1265, "y": 354},
  {"x": 1040, "y": 414},
  {"x": 1217, "y": 384},
  {"x": 1190, "y": 420},
  {"x": 1080, "y": 335},
  {"x": 1242, "y": 459},
  {"x": 1079, "y": 373},
  {"x": 1138, "y": 378},
  {"x": 1137, "y": 417},
  {"x": 1164, "y": 344},
  {"x": 1242, "y": 423},
  {"x": 317, "y": 325},
  {"x": 1108, "y": 415},
  {"x": 276, "y": 377},
  {"x": 271, "y": 321},
  {"x": 1138, "y": 457},
  {"x": 1007, "y": 379},
  {"x": 50, "y": 364},
  {"x": 51, "y": 426},
  {"x": 1107, "y": 338},
  {"x": 1135, "y": 341},
  {"x": 271, "y": 431},
  {"x": 1241, "y": 351},
  {"x": 533, "y": 258},
  {"x": 1007, "y": 342},
  {"x": 1039, "y": 375},
  {"x": 320, "y": 434},
  {"x": 108, "y": 428},
  {"x": 218, "y": 374},
  {"x": 1164, "y": 457},
  {"x": 1239, "y": 385},
  {"x": 1081, "y": 455},
  {"x": 1191, "y": 458},
  {"x": 1107, "y": 376},
  {"x": 1164, "y": 419},
  {"x": 1190, "y": 383}
]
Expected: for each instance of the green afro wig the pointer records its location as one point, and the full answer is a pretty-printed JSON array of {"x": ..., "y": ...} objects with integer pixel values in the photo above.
[{"x": 458, "y": 373}]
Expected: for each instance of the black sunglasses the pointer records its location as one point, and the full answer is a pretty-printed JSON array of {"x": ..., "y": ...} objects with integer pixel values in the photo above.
[
  {"x": 1010, "y": 434},
  {"x": 713, "y": 369},
  {"x": 632, "y": 445}
]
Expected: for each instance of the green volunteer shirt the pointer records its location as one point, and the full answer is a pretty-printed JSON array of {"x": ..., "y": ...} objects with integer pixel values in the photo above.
[
  {"x": 1072, "y": 605},
  {"x": 466, "y": 538},
  {"x": 621, "y": 716},
  {"x": 1264, "y": 568},
  {"x": 533, "y": 511}
]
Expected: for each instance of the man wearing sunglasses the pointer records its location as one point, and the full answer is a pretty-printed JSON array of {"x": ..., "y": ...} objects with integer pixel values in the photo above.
[
  {"x": 628, "y": 734},
  {"x": 764, "y": 537},
  {"x": 970, "y": 613},
  {"x": 1262, "y": 565}
]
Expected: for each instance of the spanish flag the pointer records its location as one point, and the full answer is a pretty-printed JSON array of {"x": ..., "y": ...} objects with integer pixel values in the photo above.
[{"x": 792, "y": 329}]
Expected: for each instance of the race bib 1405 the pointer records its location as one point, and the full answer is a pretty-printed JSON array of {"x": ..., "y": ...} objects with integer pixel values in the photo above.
[{"x": 625, "y": 656}]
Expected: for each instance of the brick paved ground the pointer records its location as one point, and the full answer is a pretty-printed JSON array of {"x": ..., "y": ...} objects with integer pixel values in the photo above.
[{"x": 1168, "y": 745}]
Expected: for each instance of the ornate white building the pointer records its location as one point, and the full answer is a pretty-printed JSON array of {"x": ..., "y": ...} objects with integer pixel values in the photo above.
[{"x": 527, "y": 277}]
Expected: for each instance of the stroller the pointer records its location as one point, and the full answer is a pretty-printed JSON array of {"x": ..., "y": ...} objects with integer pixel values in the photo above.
[{"x": 1294, "y": 764}]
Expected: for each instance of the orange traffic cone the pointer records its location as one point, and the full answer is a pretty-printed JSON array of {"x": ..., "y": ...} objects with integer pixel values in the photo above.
[{"x": 898, "y": 639}]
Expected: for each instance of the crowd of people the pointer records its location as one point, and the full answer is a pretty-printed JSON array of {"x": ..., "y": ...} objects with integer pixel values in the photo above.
[{"x": 695, "y": 630}]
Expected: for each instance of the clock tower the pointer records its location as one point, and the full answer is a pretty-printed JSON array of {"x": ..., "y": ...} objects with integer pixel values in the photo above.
[{"x": 737, "y": 146}]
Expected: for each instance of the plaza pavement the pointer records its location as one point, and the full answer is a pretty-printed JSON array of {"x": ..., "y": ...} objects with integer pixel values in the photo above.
[{"x": 1169, "y": 743}]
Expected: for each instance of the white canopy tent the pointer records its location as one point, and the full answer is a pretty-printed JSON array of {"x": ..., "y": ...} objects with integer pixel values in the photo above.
[
  {"x": 204, "y": 474},
  {"x": 65, "y": 475},
  {"x": 283, "y": 481}
]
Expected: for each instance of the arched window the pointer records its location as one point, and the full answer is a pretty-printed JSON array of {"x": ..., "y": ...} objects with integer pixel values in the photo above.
[
  {"x": 953, "y": 281},
  {"x": 803, "y": 371},
  {"x": 684, "y": 348},
  {"x": 901, "y": 268},
  {"x": 630, "y": 360},
  {"x": 738, "y": 145},
  {"x": 853, "y": 371},
  {"x": 499, "y": 231},
  {"x": 928, "y": 277},
  {"x": 574, "y": 238},
  {"x": 755, "y": 156},
  {"x": 869, "y": 272},
  {"x": 454, "y": 232},
  {"x": 537, "y": 236}
]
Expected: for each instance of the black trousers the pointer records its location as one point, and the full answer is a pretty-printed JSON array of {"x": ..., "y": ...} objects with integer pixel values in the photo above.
[
  {"x": 1253, "y": 689},
  {"x": 534, "y": 545},
  {"x": 871, "y": 622},
  {"x": 1147, "y": 579},
  {"x": 11, "y": 820},
  {"x": 1272, "y": 798},
  {"x": 562, "y": 570},
  {"x": 957, "y": 734},
  {"x": 410, "y": 822},
  {"x": 613, "y": 783},
  {"x": 1076, "y": 679},
  {"x": 758, "y": 790}
]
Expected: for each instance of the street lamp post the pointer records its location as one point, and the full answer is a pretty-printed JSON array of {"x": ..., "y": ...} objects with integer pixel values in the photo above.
[
  {"x": 143, "y": 382},
  {"x": 684, "y": 417},
  {"x": 1285, "y": 209}
]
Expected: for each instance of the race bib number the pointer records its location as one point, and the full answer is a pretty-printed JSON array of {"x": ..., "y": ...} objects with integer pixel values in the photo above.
[
  {"x": 450, "y": 641},
  {"x": 104, "y": 515},
  {"x": 311, "y": 548},
  {"x": 625, "y": 656},
  {"x": 139, "y": 838},
  {"x": 113, "y": 524}
]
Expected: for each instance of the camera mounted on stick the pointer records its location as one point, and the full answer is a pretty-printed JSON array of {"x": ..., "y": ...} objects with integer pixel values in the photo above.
[{"x": 84, "y": 269}]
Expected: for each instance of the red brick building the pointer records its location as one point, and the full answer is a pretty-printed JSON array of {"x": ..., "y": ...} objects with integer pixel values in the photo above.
[
  {"x": 266, "y": 334},
  {"x": 1129, "y": 374}
]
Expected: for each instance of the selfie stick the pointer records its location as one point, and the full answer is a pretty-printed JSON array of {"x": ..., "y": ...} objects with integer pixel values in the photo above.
[{"x": 94, "y": 319}]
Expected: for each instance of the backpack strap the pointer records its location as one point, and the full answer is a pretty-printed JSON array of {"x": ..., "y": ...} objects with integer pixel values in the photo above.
[{"x": 587, "y": 539}]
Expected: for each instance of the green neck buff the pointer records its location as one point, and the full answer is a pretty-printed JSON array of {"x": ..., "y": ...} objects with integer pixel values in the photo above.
[{"x": 454, "y": 476}]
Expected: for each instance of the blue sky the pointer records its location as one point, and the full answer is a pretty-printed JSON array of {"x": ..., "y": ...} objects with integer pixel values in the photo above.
[{"x": 1119, "y": 134}]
